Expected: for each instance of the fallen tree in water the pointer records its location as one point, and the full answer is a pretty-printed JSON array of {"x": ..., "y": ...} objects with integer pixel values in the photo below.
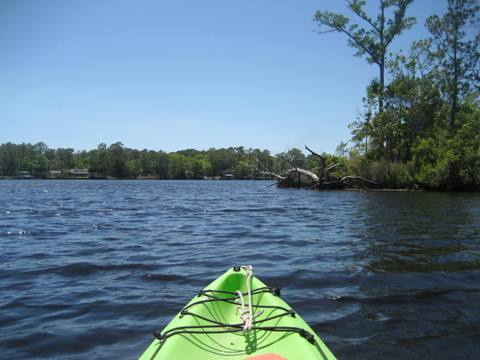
[{"x": 301, "y": 178}]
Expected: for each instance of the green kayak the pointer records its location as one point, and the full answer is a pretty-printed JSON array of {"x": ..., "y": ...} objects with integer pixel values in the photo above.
[{"x": 237, "y": 317}]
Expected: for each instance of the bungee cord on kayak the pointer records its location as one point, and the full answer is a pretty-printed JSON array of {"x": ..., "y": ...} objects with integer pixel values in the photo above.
[{"x": 248, "y": 316}]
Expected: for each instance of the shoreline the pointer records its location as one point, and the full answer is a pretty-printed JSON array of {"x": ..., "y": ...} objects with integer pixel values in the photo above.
[{"x": 393, "y": 190}]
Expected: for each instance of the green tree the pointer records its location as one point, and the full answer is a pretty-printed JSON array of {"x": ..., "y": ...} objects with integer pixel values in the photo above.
[
  {"x": 161, "y": 164},
  {"x": 147, "y": 162},
  {"x": 40, "y": 166},
  {"x": 64, "y": 159},
  {"x": 8, "y": 159},
  {"x": 374, "y": 39},
  {"x": 223, "y": 160},
  {"x": 80, "y": 160},
  {"x": 457, "y": 51},
  {"x": 412, "y": 106},
  {"x": 289, "y": 159},
  {"x": 243, "y": 170},
  {"x": 443, "y": 161},
  {"x": 133, "y": 168},
  {"x": 99, "y": 161},
  {"x": 178, "y": 166},
  {"x": 117, "y": 160},
  {"x": 200, "y": 166}
]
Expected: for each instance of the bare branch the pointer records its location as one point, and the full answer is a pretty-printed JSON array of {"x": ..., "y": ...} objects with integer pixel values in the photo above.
[
  {"x": 360, "y": 45},
  {"x": 331, "y": 167},
  {"x": 326, "y": 31},
  {"x": 350, "y": 177},
  {"x": 314, "y": 153}
]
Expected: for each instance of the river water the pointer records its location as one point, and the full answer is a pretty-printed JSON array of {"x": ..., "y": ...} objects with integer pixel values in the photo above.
[{"x": 88, "y": 269}]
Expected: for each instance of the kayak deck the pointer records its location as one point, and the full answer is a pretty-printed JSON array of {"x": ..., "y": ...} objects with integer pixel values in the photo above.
[{"x": 210, "y": 326}]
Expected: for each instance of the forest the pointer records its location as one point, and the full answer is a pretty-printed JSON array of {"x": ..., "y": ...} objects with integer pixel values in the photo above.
[
  {"x": 118, "y": 161},
  {"x": 419, "y": 127}
]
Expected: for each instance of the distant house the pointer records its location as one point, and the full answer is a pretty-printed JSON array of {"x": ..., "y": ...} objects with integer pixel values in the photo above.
[
  {"x": 79, "y": 173},
  {"x": 23, "y": 174},
  {"x": 55, "y": 173}
]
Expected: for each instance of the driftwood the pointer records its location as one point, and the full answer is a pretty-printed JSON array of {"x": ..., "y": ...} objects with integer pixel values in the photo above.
[{"x": 301, "y": 178}]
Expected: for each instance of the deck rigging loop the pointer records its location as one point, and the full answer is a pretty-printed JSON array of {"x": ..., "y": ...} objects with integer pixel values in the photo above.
[
  {"x": 247, "y": 315},
  {"x": 248, "y": 312}
]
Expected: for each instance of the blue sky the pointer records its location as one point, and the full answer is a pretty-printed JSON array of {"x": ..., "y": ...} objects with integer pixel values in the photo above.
[{"x": 180, "y": 74}]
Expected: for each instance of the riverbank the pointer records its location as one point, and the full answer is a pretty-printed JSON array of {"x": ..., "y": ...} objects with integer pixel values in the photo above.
[
  {"x": 269, "y": 181},
  {"x": 236, "y": 163}
]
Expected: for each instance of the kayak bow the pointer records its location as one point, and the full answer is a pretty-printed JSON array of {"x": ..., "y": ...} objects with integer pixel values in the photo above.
[{"x": 237, "y": 317}]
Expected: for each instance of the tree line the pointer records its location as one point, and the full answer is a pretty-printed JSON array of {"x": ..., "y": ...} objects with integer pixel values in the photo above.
[
  {"x": 118, "y": 161},
  {"x": 421, "y": 118}
]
